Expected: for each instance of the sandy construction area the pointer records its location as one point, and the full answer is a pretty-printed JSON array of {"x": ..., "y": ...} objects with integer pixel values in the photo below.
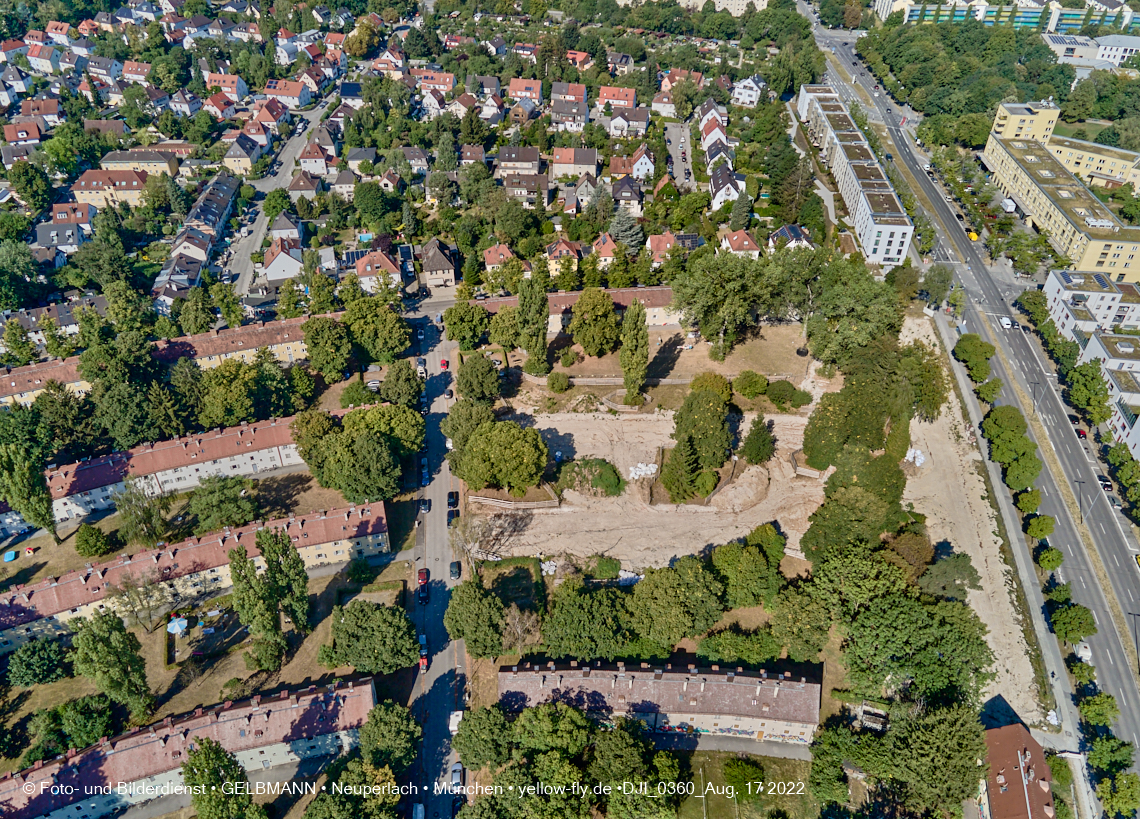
[
  {"x": 951, "y": 493},
  {"x": 641, "y": 535}
]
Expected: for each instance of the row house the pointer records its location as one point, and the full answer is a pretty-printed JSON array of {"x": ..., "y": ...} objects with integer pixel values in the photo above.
[
  {"x": 639, "y": 165},
  {"x": 136, "y": 72},
  {"x": 569, "y": 116},
  {"x": 157, "y": 162},
  {"x": 518, "y": 159},
  {"x": 574, "y": 162},
  {"x": 441, "y": 81},
  {"x": 374, "y": 267},
  {"x": 270, "y": 733},
  {"x": 520, "y": 89},
  {"x": 616, "y": 97},
  {"x": 214, "y": 205},
  {"x": 191, "y": 569},
  {"x": 568, "y": 91}
]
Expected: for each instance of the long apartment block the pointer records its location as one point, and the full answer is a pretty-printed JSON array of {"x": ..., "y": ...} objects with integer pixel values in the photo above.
[
  {"x": 1044, "y": 16},
  {"x": 881, "y": 224},
  {"x": 264, "y": 732},
  {"x": 195, "y": 568}
]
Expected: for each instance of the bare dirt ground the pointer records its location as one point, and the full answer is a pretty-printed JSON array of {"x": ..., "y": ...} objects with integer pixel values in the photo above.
[
  {"x": 641, "y": 535},
  {"x": 951, "y": 493}
]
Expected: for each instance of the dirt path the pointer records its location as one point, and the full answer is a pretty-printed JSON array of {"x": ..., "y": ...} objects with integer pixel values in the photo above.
[
  {"x": 950, "y": 491},
  {"x": 641, "y": 535}
]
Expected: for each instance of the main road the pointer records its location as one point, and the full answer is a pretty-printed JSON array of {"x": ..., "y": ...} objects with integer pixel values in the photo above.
[{"x": 990, "y": 294}]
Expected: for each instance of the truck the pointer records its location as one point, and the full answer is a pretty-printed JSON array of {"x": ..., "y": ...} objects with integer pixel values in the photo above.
[
  {"x": 1083, "y": 651},
  {"x": 453, "y": 722}
]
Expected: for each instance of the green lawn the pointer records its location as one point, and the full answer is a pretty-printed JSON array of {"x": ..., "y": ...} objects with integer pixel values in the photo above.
[
  {"x": 1091, "y": 128},
  {"x": 710, "y": 799}
]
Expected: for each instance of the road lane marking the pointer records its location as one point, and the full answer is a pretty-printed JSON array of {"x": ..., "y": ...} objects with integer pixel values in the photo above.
[{"x": 1114, "y": 558}]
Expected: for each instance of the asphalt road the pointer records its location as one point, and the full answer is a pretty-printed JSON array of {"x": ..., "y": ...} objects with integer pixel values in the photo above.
[
  {"x": 989, "y": 294},
  {"x": 240, "y": 263},
  {"x": 439, "y": 690},
  {"x": 678, "y": 135}
]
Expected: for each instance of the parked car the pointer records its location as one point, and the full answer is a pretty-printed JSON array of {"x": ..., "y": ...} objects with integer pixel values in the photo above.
[
  {"x": 443, "y": 364},
  {"x": 1082, "y": 434},
  {"x": 422, "y": 595},
  {"x": 425, "y": 505},
  {"x": 423, "y": 576},
  {"x": 457, "y": 776},
  {"x": 452, "y": 500},
  {"x": 456, "y": 569}
]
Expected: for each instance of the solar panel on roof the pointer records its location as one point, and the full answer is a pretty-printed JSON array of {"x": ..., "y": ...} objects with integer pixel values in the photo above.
[
  {"x": 1101, "y": 280},
  {"x": 1066, "y": 278}
]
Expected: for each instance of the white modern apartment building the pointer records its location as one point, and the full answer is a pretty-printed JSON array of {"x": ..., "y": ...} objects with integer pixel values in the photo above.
[{"x": 881, "y": 224}]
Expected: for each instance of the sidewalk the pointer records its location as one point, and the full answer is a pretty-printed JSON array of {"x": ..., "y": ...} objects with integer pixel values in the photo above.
[{"x": 1069, "y": 739}]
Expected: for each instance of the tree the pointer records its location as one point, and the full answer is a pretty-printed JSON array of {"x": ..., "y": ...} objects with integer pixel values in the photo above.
[
  {"x": 1088, "y": 392},
  {"x": 555, "y": 727},
  {"x": 533, "y": 318},
  {"x": 216, "y": 778},
  {"x": 401, "y": 427},
  {"x": 257, "y": 610},
  {"x": 143, "y": 515},
  {"x": 224, "y": 298},
  {"x": 285, "y": 576},
  {"x": 276, "y": 201},
  {"x": 1100, "y": 709},
  {"x": 1040, "y": 527},
  {"x": 390, "y": 737},
  {"x": 975, "y": 355},
  {"x": 760, "y": 444},
  {"x": 1120, "y": 796},
  {"x": 1028, "y": 501},
  {"x": 37, "y": 662},
  {"x": 475, "y": 615},
  {"x": 936, "y": 283},
  {"x": 1050, "y": 559},
  {"x": 505, "y": 328},
  {"x": 703, "y": 418},
  {"x": 377, "y": 329},
  {"x": 750, "y": 576},
  {"x": 24, "y": 488},
  {"x": 521, "y": 628},
  {"x": 329, "y": 347},
  {"x": 466, "y": 416},
  {"x": 585, "y": 625},
  {"x": 741, "y": 213},
  {"x": 594, "y": 325},
  {"x": 680, "y": 470},
  {"x": 483, "y": 739},
  {"x": 948, "y": 776},
  {"x": 466, "y": 324},
  {"x": 222, "y": 500},
  {"x": 105, "y": 651},
  {"x": 478, "y": 379},
  {"x": 140, "y": 598},
  {"x": 18, "y": 348},
  {"x": 671, "y": 604},
  {"x": 625, "y": 230},
  {"x": 801, "y": 622},
  {"x": 31, "y": 184},
  {"x": 1110, "y": 755},
  {"x": 634, "y": 351},
  {"x": 1073, "y": 623},
  {"x": 503, "y": 454},
  {"x": 950, "y": 577},
  {"x": 720, "y": 295},
  {"x": 56, "y": 343},
  {"x": 374, "y": 639},
  {"x": 197, "y": 314},
  {"x": 401, "y": 385}
]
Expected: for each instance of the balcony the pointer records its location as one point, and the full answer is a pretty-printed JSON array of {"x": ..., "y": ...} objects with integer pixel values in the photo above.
[{"x": 1126, "y": 412}]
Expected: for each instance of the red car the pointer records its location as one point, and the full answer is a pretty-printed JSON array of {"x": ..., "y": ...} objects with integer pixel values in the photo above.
[
  {"x": 423, "y": 664},
  {"x": 1082, "y": 434},
  {"x": 423, "y": 576},
  {"x": 443, "y": 364}
]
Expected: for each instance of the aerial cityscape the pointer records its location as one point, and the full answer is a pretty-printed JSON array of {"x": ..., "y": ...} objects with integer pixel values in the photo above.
[{"x": 570, "y": 409}]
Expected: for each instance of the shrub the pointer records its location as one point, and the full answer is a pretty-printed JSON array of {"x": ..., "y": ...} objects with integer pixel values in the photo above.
[
  {"x": 782, "y": 393},
  {"x": 706, "y": 482},
  {"x": 744, "y": 775},
  {"x": 989, "y": 391},
  {"x": 569, "y": 357},
  {"x": 90, "y": 541},
  {"x": 356, "y": 394},
  {"x": 608, "y": 479},
  {"x": 607, "y": 568},
  {"x": 750, "y": 384},
  {"x": 360, "y": 571},
  {"x": 713, "y": 382},
  {"x": 558, "y": 382},
  {"x": 760, "y": 445}
]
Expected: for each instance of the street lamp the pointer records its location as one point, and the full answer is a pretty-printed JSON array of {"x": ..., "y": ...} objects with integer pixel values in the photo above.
[
  {"x": 1080, "y": 500},
  {"x": 1035, "y": 386}
]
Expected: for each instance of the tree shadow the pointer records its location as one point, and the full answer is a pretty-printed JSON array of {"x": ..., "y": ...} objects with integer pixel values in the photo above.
[
  {"x": 666, "y": 356},
  {"x": 278, "y": 495},
  {"x": 503, "y": 528},
  {"x": 23, "y": 576}
]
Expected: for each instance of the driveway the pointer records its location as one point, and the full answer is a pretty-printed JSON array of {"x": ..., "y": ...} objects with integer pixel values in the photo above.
[{"x": 677, "y": 134}]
